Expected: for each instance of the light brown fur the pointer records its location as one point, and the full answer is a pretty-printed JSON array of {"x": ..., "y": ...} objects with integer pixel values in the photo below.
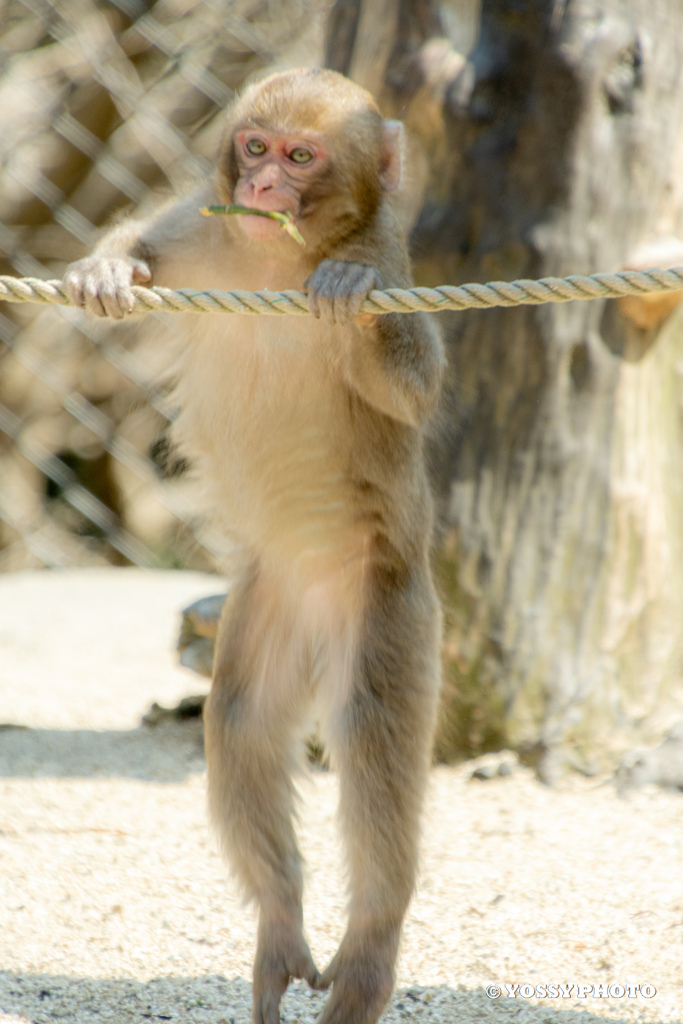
[{"x": 311, "y": 434}]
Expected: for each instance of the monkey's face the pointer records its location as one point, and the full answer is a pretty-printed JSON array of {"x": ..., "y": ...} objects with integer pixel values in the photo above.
[
  {"x": 276, "y": 173},
  {"x": 313, "y": 144}
]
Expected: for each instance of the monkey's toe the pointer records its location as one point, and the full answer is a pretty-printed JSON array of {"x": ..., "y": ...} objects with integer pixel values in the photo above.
[
  {"x": 266, "y": 1008},
  {"x": 282, "y": 954}
]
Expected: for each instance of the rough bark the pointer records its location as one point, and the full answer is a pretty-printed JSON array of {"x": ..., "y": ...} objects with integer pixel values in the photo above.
[{"x": 553, "y": 149}]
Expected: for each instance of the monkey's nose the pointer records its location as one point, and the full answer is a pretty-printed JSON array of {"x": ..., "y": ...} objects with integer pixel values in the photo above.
[{"x": 265, "y": 180}]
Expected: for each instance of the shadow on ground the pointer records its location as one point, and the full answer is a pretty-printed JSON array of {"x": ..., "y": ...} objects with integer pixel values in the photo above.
[
  {"x": 169, "y": 752},
  {"x": 42, "y": 998}
]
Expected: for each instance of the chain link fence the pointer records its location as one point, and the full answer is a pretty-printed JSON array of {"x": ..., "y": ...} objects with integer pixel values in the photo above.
[{"x": 102, "y": 104}]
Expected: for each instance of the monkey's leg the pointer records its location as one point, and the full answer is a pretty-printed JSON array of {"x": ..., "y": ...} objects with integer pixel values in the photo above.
[
  {"x": 382, "y": 748},
  {"x": 256, "y": 701}
]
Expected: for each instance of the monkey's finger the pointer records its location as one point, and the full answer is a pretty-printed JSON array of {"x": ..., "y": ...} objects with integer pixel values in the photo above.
[
  {"x": 359, "y": 294},
  {"x": 336, "y": 285},
  {"x": 355, "y": 304},
  {"x": 321, "y": 304},
  {"x": 326, "y": 307},
  {"x": 347, "y": 304},
  {"x": 83, "y": 286},
  {"x": 367, "y": 279},
  {"x": 117, "y": 303},
  {"x": 100, "y": 287},
  {"x": 339, "y": 310},
  {"x": 141, "y": 272},
  {"x": 353, "y": 285},
  {"x": 74, "y": 289},
  {"x": 322, "y": 286},
  {"x": 115, "y": 287},
  {"x": 115, "y": 295},
  {"x": 124, "y": 274},
  {"x": 91, "y": 298},
  {"x": 312, "y": 297}
]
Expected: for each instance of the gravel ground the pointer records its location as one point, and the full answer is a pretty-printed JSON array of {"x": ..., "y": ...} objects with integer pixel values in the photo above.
[{"x": 115, "y": 906}]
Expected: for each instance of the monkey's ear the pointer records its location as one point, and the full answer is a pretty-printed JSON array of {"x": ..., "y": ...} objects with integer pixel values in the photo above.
[{"x": 391, "y": 155}]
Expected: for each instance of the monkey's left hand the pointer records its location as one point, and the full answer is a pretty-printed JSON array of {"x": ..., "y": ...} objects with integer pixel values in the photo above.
[{"x": 338, "y": 289}]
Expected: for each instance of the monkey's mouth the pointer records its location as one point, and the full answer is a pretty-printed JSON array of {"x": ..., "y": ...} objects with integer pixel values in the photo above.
[
  {"x": 285, "y": 220},
  {"x": 267, "y": 225}
]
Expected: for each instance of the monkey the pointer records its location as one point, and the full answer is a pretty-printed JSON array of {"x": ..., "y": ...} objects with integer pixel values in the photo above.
[{"x": 311, "y": 434}]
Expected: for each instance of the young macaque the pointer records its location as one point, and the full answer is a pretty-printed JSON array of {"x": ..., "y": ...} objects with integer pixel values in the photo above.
[{"x": 310, "y": 432}]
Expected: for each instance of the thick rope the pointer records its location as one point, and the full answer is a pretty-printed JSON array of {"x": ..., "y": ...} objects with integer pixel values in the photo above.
[{"x": 394, "y": 300}]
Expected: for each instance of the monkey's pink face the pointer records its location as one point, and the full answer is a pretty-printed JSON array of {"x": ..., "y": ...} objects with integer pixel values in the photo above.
[{"x": 275, "y": 172}]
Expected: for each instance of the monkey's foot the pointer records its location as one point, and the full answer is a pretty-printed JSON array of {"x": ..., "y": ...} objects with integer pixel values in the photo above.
[
  {"x": 282, "y": 954},
  {"x": 362, "y": 983}
]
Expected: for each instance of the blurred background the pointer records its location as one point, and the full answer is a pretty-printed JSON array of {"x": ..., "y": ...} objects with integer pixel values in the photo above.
[{"x": 543, "y": 137}]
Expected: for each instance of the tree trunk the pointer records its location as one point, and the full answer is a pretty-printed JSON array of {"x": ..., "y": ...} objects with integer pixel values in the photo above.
[{"x": 553, "y": 149}]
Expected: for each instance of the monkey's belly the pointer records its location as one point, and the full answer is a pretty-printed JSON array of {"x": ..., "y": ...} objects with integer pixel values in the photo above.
[
  {"x": 286, "y": 509},
  {"x": 283, "y": 501},
  {"x": 269, "y": 436}
]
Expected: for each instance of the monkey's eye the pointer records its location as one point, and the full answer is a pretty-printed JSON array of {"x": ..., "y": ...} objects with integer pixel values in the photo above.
[
  {"x": 256, "y": 147},
  {"x": 300, "y": 155}
]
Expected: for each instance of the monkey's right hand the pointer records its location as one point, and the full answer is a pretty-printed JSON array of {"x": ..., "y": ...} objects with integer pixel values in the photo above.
[{"x": 101, "y": 284}]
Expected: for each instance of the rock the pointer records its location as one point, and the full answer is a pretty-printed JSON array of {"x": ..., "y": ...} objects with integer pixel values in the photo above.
[
  {"x": 188, "y": 707},
  {"x": 661, "y": 766},
  {"x": 198, "y": 633},
  {"x": 497, "y": 765}
]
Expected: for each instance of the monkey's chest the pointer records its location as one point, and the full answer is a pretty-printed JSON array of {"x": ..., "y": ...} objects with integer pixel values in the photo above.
[{"x": 267, "y": 425}]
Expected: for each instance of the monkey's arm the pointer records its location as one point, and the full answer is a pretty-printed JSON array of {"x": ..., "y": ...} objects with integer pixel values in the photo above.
[
  {"x": 397, "y": 365},
  {"x": 395, "y": 361},
  {"x": 137, "y": 251}
]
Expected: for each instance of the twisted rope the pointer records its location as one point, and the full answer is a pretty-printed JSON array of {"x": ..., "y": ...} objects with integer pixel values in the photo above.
[{"x": 393, "y": 300}]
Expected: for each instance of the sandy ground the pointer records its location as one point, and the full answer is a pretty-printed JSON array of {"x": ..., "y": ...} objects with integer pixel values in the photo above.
[{"x": 115, "y": 906}]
